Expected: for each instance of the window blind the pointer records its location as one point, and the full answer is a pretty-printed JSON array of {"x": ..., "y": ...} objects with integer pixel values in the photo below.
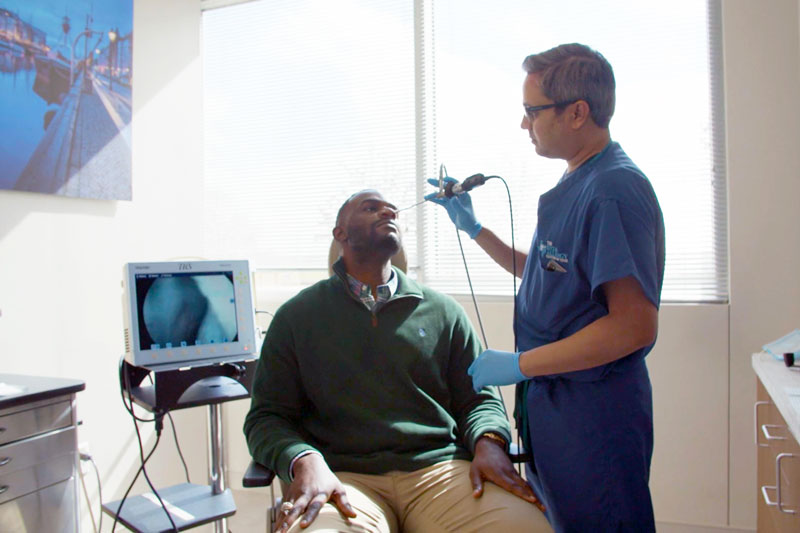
[
  {"x": 308, "y": 101},
  {"x": 668, "y": 118},
  {"x": 305, "y": 102}
]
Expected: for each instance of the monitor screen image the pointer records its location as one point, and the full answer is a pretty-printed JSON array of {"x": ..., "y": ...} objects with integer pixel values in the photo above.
[{"x": 186, "y": 309}]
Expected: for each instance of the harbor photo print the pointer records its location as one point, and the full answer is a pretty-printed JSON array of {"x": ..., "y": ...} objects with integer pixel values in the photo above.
[{"x": 65, "y": 97}]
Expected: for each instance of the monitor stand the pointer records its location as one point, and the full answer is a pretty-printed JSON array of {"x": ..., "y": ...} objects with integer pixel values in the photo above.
[{"x": 172, "y": 388}]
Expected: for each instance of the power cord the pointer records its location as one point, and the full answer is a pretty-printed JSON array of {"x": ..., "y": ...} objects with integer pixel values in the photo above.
[
  {"x": 86, "y": 457},
  {"x": 178, "y": 446},
  {"x": 260, "y": 331},
  {"x": 174, "y": 436},
  {"x": 158, "y": 419},
  {"x": 124, "y": 387},
  {"x": 141, "y": 469}
]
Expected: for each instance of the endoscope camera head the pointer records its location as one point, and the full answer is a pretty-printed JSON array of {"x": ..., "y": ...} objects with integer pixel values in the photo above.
[{"x": 453, "y": 188}]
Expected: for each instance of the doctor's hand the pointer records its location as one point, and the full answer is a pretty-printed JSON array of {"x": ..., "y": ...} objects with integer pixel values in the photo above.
[
  {"x": 313, "y": 486},
  {"x": 459, "y": 208},
  {"x": 495, "y": 367}
]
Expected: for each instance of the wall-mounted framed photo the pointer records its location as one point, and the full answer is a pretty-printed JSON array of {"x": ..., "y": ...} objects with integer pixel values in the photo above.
[{"x": 65, "y": 97}]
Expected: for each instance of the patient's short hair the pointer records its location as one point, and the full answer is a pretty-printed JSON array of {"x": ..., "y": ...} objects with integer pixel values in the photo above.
[{"x": 347, "y": 202}]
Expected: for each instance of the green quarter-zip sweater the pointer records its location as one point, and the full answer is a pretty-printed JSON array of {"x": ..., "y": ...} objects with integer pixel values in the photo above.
[{"x": 372, "y": 391}]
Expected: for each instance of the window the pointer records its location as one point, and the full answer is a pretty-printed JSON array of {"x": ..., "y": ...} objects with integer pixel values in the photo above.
[
  {"x": 304, "y": 103},
  {"x": 307, "y": 101}
]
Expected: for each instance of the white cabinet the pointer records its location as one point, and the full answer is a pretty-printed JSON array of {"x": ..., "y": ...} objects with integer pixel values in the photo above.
[{"x": 777, "y": 447}]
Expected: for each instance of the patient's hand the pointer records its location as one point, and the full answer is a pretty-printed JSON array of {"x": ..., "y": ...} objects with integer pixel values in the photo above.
[
  {"x": 491, "y": 463},
  {"x": 313, "y": 486}
]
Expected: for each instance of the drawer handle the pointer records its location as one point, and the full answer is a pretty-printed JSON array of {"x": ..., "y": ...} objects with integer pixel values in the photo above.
[
  {"x": 4, "y": 461},
  {"x": 764, "y": 489},
  {"x": 4, "y": 488},
  {"x": 778, "y": 459},
  {"x": 766, "y": 432},
  {"x": 755, "y": 417}
]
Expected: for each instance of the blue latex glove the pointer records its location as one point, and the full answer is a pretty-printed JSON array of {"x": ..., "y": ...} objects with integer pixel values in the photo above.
[
  {"x": 494, "y": 367},
  {"x": 459, "y": 208}
]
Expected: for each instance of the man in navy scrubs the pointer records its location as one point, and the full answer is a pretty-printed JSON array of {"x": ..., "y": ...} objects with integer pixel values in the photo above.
[{"x": 587, "y": 308}]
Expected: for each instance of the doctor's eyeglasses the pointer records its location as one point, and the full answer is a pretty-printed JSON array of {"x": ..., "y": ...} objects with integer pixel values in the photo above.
[{"x": 531, "y": 110}]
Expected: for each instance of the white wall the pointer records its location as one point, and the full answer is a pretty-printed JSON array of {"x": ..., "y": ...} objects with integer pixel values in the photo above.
[
  {"x": 61, "y": 258},
  {"x": 763, "y": 124}
]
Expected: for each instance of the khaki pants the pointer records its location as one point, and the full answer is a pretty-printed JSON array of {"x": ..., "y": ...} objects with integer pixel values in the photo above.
[{"x": 431, "y": 500}]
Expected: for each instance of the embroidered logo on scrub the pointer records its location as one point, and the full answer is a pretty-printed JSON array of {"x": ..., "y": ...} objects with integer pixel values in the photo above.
[{"x": 556, "y": 260}]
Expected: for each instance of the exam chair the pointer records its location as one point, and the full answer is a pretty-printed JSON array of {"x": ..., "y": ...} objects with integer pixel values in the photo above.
[{"x": 258, "y": 475}]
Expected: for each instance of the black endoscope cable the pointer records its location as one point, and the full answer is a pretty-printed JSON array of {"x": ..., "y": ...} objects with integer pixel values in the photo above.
[
  {"x": 472, "y": 292},
  {"x": 513, "y": 271},
  {"x": 514, "y": 294}
]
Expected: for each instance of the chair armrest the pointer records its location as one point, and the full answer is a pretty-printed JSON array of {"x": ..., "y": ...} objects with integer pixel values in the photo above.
[
  {"x": 257, "y": 475},
  {"x": 517, "y": 454}
]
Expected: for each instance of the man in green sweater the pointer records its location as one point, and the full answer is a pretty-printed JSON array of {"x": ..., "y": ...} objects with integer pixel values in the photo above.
[{"x": 362, "y": 402}]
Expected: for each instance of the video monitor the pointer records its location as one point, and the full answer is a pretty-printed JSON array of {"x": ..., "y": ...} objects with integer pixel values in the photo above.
[{"x": 180, "y": 312}]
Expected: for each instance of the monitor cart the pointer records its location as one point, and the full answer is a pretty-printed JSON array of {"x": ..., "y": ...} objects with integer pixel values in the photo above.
[{"x": 181, "y": 387}]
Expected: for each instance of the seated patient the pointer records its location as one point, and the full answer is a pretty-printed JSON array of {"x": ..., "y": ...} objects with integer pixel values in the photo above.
[{"x": 363, "y": 404}]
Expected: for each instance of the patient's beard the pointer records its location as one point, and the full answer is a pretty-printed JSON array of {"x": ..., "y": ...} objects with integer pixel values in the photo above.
[
  {"x": 383, "y": 246},
  {"x": 388, "y": 244}
]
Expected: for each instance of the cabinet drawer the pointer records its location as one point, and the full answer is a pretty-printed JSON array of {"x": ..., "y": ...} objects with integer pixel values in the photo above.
[
  {"x": 28, "y": 480},
  {"x": 34, "y": 421},
  {"x": 36, "y": 463},
  {"x": 775, "y": 440},
  {"x": 36, "y": 450},
  {"x": 51, "y": 509}
]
